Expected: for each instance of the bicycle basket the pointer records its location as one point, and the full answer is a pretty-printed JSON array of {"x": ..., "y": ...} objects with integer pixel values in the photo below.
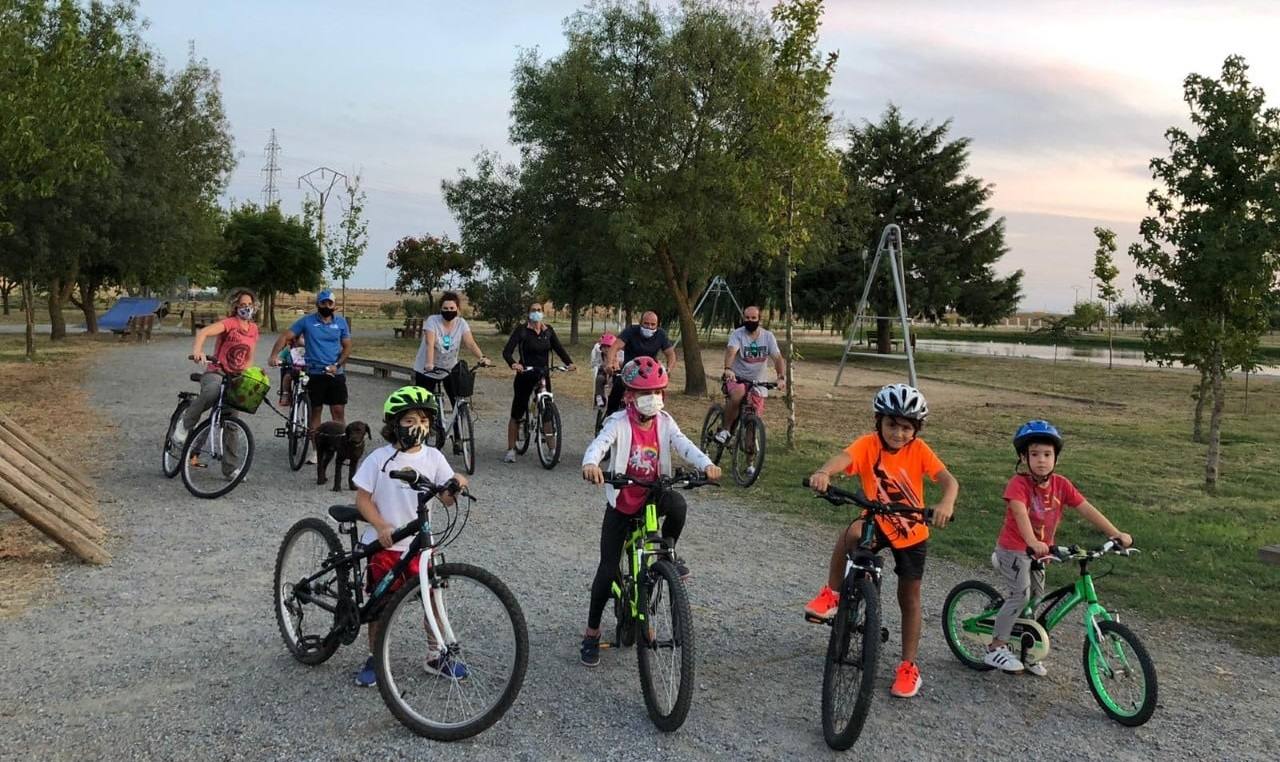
[
  {"x": 246, "y": 391},
  {"x": 464, "y": 380}
]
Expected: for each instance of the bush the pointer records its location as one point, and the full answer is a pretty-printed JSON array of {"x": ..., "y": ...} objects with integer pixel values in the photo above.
[
  {"x": 502, "y": 300},
  {"x": 417, "y": 308},
  {"x": 390, "y": 309}
]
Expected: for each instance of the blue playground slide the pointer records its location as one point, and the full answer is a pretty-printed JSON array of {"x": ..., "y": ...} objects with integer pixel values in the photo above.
[{"x": 117, "y": 318}]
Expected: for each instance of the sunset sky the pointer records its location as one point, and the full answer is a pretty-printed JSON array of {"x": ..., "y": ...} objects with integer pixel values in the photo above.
[{"x": 1065, "y": 102}]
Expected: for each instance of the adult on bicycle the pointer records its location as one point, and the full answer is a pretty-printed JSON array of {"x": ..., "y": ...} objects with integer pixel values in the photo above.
[
  {"x": 639, "y": 441},
  {"x": 644, "y": 340},
  {"x": 328, "y": 339},
  {"x": 535, "y": 341},
  {"x": 232, "y": 355},
  {"x": 745, "y": 356},
  {"x": 443, "y": 337}
]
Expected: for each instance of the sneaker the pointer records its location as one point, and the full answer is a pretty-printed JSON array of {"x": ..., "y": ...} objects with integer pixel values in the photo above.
[
  {"x": 446, "y": 666},
  {"x": 366, "y": 677},
  {"x": 510, "y": 457},
  {"x": 179, "y": 434},
  {"x": 722, "y": 436},
  {"x": 311, "y": 458},
  {"x": 590, "y": 651},
  {"x": 599, "y": 401},
  {"x": 1003, "y": 659},
  {"x": 1038, "y": 669},
  {"x": 751, "y": 471},
  {"x": 907, "y": 682},
  {"x": 824, "y": 605}
]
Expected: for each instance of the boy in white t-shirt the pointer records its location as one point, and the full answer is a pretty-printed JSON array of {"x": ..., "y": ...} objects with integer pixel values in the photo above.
[{"x": 388, "y": 504}]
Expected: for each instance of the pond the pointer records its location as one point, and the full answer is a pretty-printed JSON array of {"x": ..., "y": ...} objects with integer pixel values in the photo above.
[{"x": 1093, "y": 354}]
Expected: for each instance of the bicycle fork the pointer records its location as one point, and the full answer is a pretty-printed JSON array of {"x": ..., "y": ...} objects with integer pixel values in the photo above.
[{"x": 435, "y": 616}]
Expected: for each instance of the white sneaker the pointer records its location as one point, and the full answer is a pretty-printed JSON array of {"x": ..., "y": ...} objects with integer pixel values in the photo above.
[
  {"x": 1002, "y": 658},
  {"x": 722, "y": 436},
  {"x": 311, "y": 458},
  {"x": 1038, "y": 669},
  {"x": 510, "y": 457},
  {"x": 179, "y": 433},
  {"x": 599, "y": 401}
]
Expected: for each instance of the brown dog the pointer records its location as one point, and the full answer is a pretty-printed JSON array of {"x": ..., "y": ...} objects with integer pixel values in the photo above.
[{"x": 333, "y": 440}]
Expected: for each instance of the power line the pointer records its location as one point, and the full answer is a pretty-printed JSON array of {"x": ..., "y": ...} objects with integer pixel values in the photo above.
[{"x": 270, "y": 190}]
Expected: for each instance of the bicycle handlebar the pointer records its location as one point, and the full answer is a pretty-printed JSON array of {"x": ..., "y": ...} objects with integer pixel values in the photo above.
[
  {"x": 1077, "y": 553},
  {"x": 761, "y": 384},
  {"x": 680, "y": 479},
  {"x": 837, "y": 496},
  {"x": 420, "y": 483}
]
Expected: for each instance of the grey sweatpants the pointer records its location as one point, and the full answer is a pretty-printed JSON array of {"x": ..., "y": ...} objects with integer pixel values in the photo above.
[
  {"x": 210, "y": 387},
  {"x": 1021, "y": 585}
]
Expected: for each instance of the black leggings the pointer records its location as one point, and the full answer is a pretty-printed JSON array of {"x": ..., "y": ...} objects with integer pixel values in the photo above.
[
  {"x": 613, "y": 533},
  {"x": 525, "y": 382},
  {"x": 431, "y": 384}
]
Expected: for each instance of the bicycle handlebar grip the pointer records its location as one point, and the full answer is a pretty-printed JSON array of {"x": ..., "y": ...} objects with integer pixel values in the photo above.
[
  {"x": 804, "y": 482},
  {"x": 408, "y": 475}
]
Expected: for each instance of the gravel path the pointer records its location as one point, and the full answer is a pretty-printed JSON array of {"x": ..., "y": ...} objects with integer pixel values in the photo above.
[{"x": 172, "y": 651}]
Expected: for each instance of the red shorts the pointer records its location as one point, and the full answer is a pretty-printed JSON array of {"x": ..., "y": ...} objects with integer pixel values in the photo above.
[
  {"x": 384, "y": 561},
  {"x": 756, "y": 397}
]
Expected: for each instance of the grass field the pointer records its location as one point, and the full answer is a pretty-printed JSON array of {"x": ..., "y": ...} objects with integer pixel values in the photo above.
[{"x": 1128, "y": 449}]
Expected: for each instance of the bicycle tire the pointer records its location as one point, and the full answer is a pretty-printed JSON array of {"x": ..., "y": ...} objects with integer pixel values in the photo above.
[
  {"x": 466, "y": 439},
  {"x": 599, "y": 420},
  {"x": 1114, "y": 633},
  {"x": 858, "y": 617},
  {"x": 522, "y": 434},
  {"x": 667, "y": 712},
  {"x": 549, "y": 455},
  {"x": 299, "y": 425},
  {"x": 710, "y": 423},
  {"x": 747, "y": 465},
  {"x": 188, "y": 470},
  {"x": 624, "y": 627},
  {"x": 399, "y": 688},
  {"x": 171, "y": 464},
  {"x": 956, "y": 609},
  {"x": 316, "y": 648}
]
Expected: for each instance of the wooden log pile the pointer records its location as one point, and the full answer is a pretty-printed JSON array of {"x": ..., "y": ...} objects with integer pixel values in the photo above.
[{"x": 50, "y": 493}]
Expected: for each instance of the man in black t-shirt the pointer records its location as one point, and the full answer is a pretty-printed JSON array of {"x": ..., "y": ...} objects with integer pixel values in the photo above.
[{"x": 644, "y": 340}]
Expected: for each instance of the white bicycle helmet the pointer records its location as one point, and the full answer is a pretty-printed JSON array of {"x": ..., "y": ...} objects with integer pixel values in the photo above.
[{"x": 901, "y": 401}]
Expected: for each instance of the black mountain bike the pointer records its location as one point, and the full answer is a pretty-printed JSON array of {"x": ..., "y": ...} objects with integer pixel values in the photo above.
[
  {"x": 457, "y": 425},
  {"x": 466, "y": 616},
  {"x": 746, "y": 439},
  {"x": 848, "y": 679},
  {"x": 541, "y": 421}
]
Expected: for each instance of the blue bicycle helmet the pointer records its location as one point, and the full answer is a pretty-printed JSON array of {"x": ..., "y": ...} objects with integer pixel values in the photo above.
[{"x": 1040, "y": 431}]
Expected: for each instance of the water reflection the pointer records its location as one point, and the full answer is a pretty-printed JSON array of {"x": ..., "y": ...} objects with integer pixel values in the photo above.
[{"x": 1125, "y": 357}]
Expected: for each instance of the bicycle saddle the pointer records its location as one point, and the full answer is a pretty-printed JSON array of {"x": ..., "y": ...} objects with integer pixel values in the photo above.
[
  {"x": 345, "y": 514},
  {"x": 196, "y": 377}
]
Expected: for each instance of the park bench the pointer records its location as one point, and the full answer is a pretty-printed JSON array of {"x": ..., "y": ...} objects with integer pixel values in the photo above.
[
  {"x": 138, "y": 328},
  {"x": 203, "y": 319},
  {"x": 872, "y": 337},
  {"x": 381, "y": 369},
  {"x": 1269, "y": 554},
  {"x": 412, "y": 329}
]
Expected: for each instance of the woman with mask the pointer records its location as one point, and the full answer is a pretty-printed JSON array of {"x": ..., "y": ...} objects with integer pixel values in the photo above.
[
  {"x": 638, "y": 441},
  {"x": 232, "y": 355},
  {"x": 535, "y": 341},
  {"x": 443, "y": 337}
]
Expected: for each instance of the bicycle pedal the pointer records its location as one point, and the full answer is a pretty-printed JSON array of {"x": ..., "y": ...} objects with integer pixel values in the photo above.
[
  {"x": 816, "y": 619},
  {"x": 281, "y": 433}
]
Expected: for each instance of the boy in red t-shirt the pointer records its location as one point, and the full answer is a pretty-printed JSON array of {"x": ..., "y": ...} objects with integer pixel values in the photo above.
[
  {"x": 892, "y": 463},
  {"x": 1034, "y": 501}
]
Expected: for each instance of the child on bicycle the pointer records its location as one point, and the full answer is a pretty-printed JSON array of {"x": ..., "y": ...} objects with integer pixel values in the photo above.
[
  {"x": 892, "y": 463},
  {"x": 291, "y": 357},
  {"x": 598, "y": 354},
  {"x": 388, "y": 504},
  {"x": 639, "y": 441},
  {"x": 1034, "y": 500}
]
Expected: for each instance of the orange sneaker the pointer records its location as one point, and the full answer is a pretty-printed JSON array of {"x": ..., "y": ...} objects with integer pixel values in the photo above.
[
  {"x": 824, "y": 605},
  {"x": 907, "y": 682}
]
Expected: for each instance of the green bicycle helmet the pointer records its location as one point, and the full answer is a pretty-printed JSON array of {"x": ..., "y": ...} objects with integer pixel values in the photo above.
[{"x": 408, "y": 398}]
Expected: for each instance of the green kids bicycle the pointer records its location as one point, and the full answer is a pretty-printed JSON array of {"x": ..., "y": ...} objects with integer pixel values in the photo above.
[
  {"x": 651, "y": 606},
  {"x": 1119, "y": 672}
]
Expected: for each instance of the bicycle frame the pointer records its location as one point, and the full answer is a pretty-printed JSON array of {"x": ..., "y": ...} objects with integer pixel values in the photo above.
[
  {"x": 643, "y": 543},
  {"x": 1062, "y": 601}
]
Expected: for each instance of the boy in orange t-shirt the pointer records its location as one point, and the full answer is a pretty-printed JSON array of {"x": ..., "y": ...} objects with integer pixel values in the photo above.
[{"x": 892, "y": 463}]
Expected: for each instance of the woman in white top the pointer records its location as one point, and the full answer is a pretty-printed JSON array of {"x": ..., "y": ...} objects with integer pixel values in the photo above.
[{"x": 443, "y": 336}]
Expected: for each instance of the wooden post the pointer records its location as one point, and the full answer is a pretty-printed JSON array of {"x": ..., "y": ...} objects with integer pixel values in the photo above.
[
  {"x": 13, "y": 433},
  {"x": 52, "y": 526},
  {"x": 21, "y": 467},
  {"x": 22, "y": 485}
]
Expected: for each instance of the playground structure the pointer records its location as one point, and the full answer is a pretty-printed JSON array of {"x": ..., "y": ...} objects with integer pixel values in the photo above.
[{"x": 890, "y": 245}]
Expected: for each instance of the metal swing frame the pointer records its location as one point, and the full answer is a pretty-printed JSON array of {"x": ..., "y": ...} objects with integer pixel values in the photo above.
[
  {"x": 716, "y": 288},
  {"x": 890, "y": 244}
]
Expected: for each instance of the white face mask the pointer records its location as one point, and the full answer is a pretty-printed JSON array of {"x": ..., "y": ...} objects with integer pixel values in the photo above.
[
  {"x": 649, "y": 405},
  {"x": 648, "y": 332},
  {"x": 535, "y": 317}
]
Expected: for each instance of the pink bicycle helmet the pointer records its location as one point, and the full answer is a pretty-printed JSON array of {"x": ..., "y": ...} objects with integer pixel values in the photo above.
[
  {"x": 607, "y": 339},
  {"x": 644, "y": 374}
]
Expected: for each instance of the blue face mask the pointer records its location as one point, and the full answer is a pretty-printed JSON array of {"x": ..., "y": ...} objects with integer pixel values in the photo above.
[
  {"x": 535, "y": 317},
  {"x": 245, "y": 312}
]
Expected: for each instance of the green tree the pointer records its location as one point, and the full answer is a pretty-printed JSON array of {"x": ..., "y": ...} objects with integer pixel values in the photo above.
[
  {"x": 422, "y": 264},
  {"x": 270, "y": 253},
  {"x": 352, "y": 237},
  {"x": 1105, "y": 270},
  {"x": 1208, "y": 255},
  {"x": 502, "y": 299},
  {"x": 1086, "y": 315}
]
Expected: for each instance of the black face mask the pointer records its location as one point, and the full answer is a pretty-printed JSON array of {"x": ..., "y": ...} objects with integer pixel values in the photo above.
[
  {"x": 409, "y": 437},
  {"x": 448, "y": 314},
  {"x": 751, "y": 325},
  {"x": 325, "y": 311}
]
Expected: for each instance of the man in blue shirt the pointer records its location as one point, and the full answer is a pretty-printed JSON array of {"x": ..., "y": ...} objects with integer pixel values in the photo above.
[{"x": 328, "y": 342}]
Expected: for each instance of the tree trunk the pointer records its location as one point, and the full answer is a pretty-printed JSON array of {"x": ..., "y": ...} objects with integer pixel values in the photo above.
[
  {"x": 789, "y": 352},
  {"x": 1201, "y": 394},
  {"x": 59, "y": 293},
  {"x": 695, "y": 381},
  {"x": 271, "y": 311},
  {"x": 28, "y": 307},
  {"x": 574, "y": 313},
  {"x": 884, "y": 336},
  {"x": 87, "y": 290},
  {"x": 1215, "y": 425},
  {"x": 6, "y": 288}
]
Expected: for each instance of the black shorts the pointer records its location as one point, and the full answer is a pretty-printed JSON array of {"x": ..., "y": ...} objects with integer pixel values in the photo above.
[
  {"x": 324, "y": 389},
  {"x": 907, "y": 563},
  {"x": 522, "y": 388}
]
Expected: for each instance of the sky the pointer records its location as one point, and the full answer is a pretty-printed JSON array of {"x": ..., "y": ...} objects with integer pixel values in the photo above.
[{"x": 1065, "y": 102}]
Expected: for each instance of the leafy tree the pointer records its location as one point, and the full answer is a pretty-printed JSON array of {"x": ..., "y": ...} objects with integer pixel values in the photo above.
[
  {"x": 389, "y": 310},
  {"x": 502, "y": 299},
  {"x": 352, "y": 237},
  {"x": 1086, "y": 315},
  {"x": 1105, "y": 270},
  {"x": 1128, "y": 313},
  {"x": 422, "y": 264},
  {"x": 270, "y": 253},
  {"x": 1208, "y": 253}
]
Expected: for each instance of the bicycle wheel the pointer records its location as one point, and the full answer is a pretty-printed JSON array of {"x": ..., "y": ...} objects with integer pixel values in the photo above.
[
  {"x": 549, "y": 443},
  {"x": 1120, "y": 674},
  {"x": 748, "y": 451},
  {"x": 599, "y": 420},
  {"x": 171, "y": 456},
  {"x": 975, "y": 603},
  {"x": 848, "y": 680},
  {"x": 665, "y": 647},
  {"x": 624, "y": 627},
  {"x": 466, "y": 439},
  {"x": 299, "y": 423},
  {"x": 711, "y": 424},
  {"x": 304, "y": 624},
  {"x": 522, "y": 430},
  {"x": 210, "y": 472},
  {"x": 491, "y": 652}
]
